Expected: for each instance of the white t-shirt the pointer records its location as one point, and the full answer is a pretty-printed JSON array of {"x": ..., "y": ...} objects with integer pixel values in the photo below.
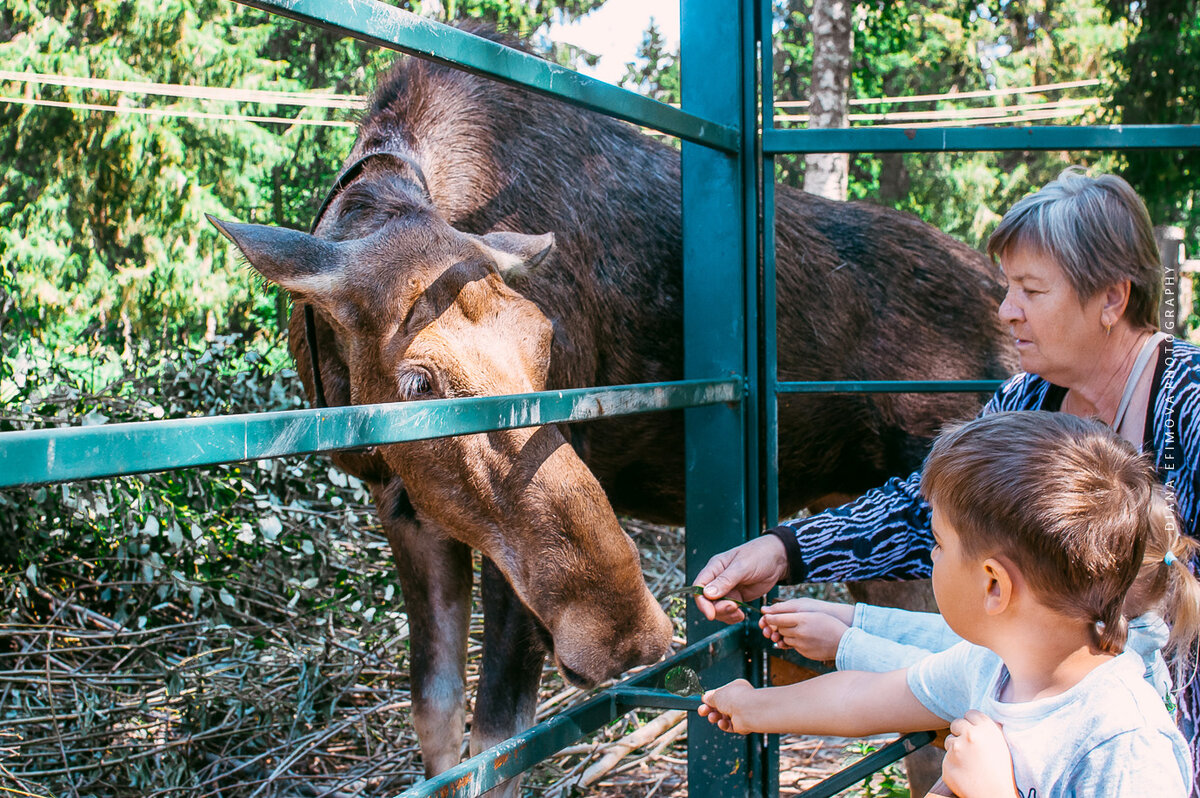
[
  {"x": 1107, "y": 736},
  {"x": 884, "y": 639}
]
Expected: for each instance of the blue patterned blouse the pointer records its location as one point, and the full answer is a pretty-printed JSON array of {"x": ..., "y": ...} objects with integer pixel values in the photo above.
[{"x": 885, "y": 533}]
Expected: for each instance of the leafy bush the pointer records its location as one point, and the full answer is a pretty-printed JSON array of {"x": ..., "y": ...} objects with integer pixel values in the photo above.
[
  {"x": 231, "y": 630},
  {"x": 197, "y": 629}
]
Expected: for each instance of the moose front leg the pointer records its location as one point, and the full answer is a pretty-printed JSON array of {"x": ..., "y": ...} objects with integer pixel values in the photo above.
[
  {"x": 513, "y": 652},
  {"x": 435, "y": 577}
]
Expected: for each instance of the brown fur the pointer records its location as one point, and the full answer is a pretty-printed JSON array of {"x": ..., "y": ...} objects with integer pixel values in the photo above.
[{"x": 402, "y": 286}]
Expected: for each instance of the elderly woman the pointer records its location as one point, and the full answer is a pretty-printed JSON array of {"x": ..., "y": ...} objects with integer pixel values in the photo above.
[{"x": 1084, "y": 285}]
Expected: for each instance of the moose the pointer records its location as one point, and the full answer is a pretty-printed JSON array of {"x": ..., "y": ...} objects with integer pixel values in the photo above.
[{"x": 486, "y": 240}]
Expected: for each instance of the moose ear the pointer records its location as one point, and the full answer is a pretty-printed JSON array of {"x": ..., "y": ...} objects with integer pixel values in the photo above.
[
  {"x": 516, "y": 253},
  {"x": 296, "y": 261}
]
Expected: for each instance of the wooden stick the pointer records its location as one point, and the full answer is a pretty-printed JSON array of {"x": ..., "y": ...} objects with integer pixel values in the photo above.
[{"x": 617, "y": 751}]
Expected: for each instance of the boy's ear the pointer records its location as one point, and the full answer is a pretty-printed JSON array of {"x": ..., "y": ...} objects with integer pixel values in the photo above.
[{"x": 998, "y": 592}]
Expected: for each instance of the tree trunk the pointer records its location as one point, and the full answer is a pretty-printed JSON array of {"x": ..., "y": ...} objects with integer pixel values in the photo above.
[
  {"x": 833, "y": 43},
  {"x": 893, "y": 178}
]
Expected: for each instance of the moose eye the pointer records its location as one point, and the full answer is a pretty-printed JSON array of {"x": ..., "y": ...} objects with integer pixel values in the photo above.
[{"x": 414, "y": 385}]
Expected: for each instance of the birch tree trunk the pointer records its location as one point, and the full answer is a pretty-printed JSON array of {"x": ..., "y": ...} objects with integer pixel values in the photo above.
[{"x": 833, "y": 43}]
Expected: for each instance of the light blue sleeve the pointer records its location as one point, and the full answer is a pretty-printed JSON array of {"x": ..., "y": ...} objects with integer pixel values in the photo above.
[
  {"x": 886, "y": 639},
  {"x": 951, "y": 682},
  {"x": 1148, "y": 635},
  {"x": 859, "y": 650},
  {"x": 924, "y": 630},
  {"x": 1139, "y": 762}
]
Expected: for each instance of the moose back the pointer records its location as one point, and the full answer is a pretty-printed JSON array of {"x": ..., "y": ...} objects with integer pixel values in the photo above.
[{"x": 487, "y": 241}]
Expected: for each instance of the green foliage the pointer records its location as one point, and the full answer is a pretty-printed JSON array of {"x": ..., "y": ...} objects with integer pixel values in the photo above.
[
  {"x": 918, "y": 47},
  {"x": 103, "y": 233},
  {"x": 512, "y": 16},
  {"x": 223, "y": 616},
  {"x": 203, "y": 524},
  {"x": 655, "y": 72},
  {"x": 1156, "y": 80},
  {"x": 890, "y": 782},
  {"x": 682, "y": 680}
]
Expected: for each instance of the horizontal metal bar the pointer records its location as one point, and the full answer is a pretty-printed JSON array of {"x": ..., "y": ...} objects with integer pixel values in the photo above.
[
  {"x": 388, "y": 26},
  {"x": 891, "y": 386},
  {"x": 869, "y": 764},
  {"x": 635, "y": 697},
  {"x": 57, "y": 455},
  {"x": 517, "y": 754},
  {"x": 968, "y": 139}
]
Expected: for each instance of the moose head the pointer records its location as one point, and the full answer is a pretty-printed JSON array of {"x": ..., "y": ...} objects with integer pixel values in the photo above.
[{"x": 422, "y": 311}]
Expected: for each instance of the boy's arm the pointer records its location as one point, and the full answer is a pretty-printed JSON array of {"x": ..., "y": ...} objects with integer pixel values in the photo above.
[
  {"x": 845, "y": 704},
  {"x": 858, "y": 650},
  {"x": 925, "y": 630},
  {"x": 885, "y": 638}
]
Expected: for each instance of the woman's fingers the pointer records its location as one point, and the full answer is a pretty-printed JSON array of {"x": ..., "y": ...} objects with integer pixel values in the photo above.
[{"x": 744, "y": 573}]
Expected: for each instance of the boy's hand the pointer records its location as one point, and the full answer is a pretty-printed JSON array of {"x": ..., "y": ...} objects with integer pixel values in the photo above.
[
  {"x": 814, "y": 628},
  {"x": 978, "y": 763},
  {"x": 728, "y": 706}
]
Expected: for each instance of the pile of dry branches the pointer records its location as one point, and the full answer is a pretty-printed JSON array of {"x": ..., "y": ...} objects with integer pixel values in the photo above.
[{"x": 248, "y": 694}]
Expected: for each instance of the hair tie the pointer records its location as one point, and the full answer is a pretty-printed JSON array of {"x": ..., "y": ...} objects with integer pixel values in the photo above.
[{"x": 1169, "y": 558}]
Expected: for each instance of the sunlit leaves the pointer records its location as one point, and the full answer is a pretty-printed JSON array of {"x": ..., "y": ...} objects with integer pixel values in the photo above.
[
  {"x": 919, "y": 47},
  {"x": 1157, "y": 81}
]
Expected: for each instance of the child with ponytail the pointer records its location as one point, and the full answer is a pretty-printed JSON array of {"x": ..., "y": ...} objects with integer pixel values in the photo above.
[
  {"x": 1041, "y": 522},
  {"x": 1164, "y": 603}
]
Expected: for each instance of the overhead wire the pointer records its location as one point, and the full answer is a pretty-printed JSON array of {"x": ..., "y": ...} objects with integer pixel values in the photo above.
[
  {"x": 997, "y": 113},
  {"x": 322, "y": 99},
  {"x": 308, "y": 99},
  {"x": 182, "y": 113},
  {"x": 957, "y": 95}
]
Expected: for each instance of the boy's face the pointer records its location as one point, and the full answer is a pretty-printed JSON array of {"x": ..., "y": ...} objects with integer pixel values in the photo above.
[{"x": 956, "y": 580}]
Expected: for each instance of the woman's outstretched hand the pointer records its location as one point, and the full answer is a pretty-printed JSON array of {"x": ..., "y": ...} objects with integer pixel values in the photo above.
[{"x": 744, "y": 573}]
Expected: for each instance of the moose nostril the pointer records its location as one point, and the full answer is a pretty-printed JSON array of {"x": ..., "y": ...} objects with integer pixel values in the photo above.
[
  {"x": 574, "y": 677},
  {"x": 645, "y": 655}
]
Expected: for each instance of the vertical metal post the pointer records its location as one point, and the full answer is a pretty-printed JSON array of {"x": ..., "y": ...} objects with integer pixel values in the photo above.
[
  {"x": 770, "y": 365},
  {"x": 716, "y": 45},
  {"x": 1171, "y": 312},
  {"x": 762, "y": 106}
]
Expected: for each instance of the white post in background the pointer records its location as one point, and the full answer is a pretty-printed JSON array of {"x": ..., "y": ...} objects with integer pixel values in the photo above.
[
  {"x": 1174, "y": 308},
  {"x": 827, "y": 174}
]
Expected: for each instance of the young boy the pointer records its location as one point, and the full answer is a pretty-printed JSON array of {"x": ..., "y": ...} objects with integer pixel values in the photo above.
[{"x": 1040, "y": 521}]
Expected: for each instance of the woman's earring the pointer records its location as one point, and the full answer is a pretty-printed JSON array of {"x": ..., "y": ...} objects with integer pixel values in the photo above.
[{"x": 1108, "y": 329}]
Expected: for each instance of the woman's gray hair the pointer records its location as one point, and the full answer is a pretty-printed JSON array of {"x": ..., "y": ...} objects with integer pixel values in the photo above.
[{"x": 1099, "y": 233}]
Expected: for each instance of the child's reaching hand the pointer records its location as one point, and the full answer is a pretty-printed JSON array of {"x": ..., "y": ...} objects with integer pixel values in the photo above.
[
  {"x": 978, "y": 763},
  {"x": 728, "y": 706},
  {"x": 812, "y": 627}
]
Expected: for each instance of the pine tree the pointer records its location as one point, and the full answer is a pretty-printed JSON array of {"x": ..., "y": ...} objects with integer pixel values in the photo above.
[{"x": 102, "y": 228}]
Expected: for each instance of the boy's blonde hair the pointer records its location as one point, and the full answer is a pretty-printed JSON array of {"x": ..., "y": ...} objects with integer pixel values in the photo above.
[{"x": 1062, "y": 498}]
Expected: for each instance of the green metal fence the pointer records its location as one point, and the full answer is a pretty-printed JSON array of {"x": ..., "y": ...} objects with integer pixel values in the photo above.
[{"x": 731, "y": 384}]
